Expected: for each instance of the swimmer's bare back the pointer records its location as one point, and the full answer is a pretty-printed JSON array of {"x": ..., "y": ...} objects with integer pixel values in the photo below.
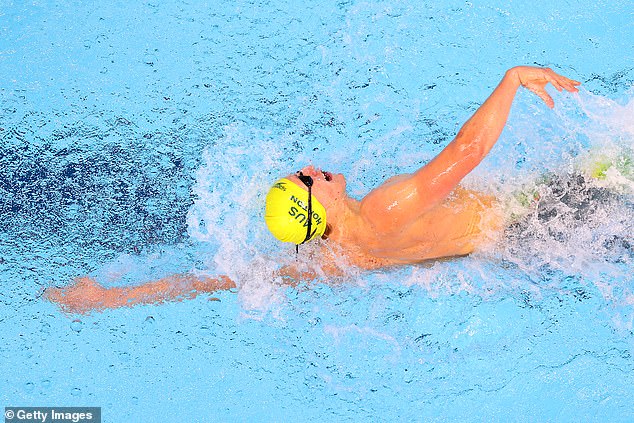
[{"x": 408, "y": 219}]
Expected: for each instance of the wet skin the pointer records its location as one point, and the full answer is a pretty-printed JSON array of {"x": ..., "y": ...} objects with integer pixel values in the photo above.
[
  {"x": 370, "y": 237},
  {"x": 408, "y": 219},
  {"x": 427, "y": 215}
]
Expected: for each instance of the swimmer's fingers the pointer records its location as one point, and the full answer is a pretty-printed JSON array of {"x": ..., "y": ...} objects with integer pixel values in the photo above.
[
  {"x": 560, "y": 82},
  {"x": 546, "y": 97},
  {"x": 541, "y": 93},
  {"x": 541, "y": 77},
  {"x": 570, "y": 84},
  {"x": 53, "y": 294},
  {"x": 554, "y": 79}
]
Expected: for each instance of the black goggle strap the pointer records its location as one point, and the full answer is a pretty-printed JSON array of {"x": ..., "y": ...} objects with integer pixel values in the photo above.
[
  {"x": 310, "y": 216},
  {"x": 308, "y": 181}
]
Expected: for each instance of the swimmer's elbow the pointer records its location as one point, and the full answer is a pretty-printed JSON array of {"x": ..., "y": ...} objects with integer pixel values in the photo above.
[{"x": 471, "y": 147}]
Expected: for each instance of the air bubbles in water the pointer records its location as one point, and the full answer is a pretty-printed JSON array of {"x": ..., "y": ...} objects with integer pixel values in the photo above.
[
  {"x": 77, "y": 325},
  {"x": 45, "y": 328}
]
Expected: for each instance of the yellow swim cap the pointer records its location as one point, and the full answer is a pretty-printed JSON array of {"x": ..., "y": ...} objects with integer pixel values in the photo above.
[{"x": 286, "y": 210}]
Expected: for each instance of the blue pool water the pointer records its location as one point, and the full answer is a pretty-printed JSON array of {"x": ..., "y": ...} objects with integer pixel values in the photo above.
[{"x": 137, "y": 140}]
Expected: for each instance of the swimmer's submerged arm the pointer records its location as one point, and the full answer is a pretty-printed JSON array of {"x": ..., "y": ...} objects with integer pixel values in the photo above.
[
  {"x": 86, "y": 295},
  {"x": 404, "y": 199},
  {"x": 291, "y": 275}
]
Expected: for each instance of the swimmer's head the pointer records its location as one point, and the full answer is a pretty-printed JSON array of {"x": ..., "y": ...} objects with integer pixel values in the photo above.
[{"x": 287, "y": 208}]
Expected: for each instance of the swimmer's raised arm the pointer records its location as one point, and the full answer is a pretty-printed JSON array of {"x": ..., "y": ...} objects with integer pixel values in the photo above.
[{"x": 403, "y": 199}]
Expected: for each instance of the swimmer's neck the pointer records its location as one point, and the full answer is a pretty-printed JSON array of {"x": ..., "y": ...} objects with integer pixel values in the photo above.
[{"x": 345, "y": 220}]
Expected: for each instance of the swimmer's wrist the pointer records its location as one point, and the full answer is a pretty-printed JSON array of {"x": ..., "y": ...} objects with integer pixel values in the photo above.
[{"x": 513, "y": 76}]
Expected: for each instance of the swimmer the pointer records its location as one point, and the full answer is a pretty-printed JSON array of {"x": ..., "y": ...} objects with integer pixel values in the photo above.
[{"x": 410, "y": 218}]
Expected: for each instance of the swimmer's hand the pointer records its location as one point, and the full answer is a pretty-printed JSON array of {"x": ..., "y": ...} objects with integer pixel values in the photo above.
[
  {"x": 535, "y": 79},
  {"x": 82, "y": 296}
]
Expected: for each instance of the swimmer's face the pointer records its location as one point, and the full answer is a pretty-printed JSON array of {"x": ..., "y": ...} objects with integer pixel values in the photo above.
[{"x": 327, "y": 187}]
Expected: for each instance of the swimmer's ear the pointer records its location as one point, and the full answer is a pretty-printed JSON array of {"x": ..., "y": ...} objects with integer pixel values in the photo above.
[{"x": 327, "y": 231}]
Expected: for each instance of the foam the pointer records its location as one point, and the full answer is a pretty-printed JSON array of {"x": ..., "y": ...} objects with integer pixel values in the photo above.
[
  {"x": 591, "y": 247},
  {"x": 535, "y": 256},
  {"x": 563, "y": 234}
]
